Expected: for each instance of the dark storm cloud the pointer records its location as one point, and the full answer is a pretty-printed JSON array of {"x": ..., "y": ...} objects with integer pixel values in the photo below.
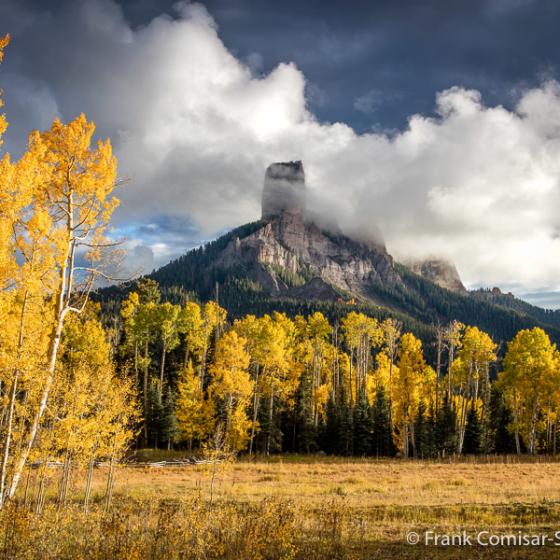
[
  {"x": 415, "y": 47},
  {"x": 349, "y": 49}
]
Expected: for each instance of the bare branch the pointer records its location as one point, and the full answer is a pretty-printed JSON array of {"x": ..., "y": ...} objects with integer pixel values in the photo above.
[
  {"x": 101, "y": 245},
  {"x": 97, "y": 272}
]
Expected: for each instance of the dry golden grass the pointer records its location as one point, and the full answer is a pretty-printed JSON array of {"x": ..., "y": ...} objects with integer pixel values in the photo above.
[
  {"x": 326, "y": 508},
  {"x": 363, "y": 484}
]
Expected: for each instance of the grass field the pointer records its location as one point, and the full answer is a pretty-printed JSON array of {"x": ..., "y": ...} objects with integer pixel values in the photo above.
[
  {"x": 363, "y": 484},
  {"x": 330, "y": 508}
]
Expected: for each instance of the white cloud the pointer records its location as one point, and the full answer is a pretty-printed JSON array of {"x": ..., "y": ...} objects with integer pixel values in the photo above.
[{"x": 195, "y": 128}]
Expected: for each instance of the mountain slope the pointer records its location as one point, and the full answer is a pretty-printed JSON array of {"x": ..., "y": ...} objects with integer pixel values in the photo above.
[
  {"x": 285, "y": 261},
  {"x": 247, "y": 286}
]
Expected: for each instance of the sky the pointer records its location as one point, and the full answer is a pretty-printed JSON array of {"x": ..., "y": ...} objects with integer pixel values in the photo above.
[{"x": 436, "y": 123}]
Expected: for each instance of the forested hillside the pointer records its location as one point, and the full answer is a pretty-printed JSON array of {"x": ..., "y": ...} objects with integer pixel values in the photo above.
[{"x": 418, "y": 303}]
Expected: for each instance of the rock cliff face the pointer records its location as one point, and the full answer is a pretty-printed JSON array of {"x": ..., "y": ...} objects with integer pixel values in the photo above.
[
  {"x": 442, "y": 273},
  {"x": 293, "y": 257}
]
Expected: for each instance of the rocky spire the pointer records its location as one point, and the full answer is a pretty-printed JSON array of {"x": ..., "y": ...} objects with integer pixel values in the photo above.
[{"x": 284, "y": 190}]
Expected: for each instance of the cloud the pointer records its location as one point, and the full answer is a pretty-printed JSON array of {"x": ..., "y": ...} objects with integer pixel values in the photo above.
[
  {"x": 195, "y": 128},
  {"x": 373, "y": 100}
]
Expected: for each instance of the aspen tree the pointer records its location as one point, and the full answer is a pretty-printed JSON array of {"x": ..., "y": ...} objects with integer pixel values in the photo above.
[
  {"x": 452, "y": 340},
  {"x": 320, "y": 364},
  {"x": 4, "y": 41},
  {"x": 530, "y": 380},
  {"x": 231, "y": 388},
  {"x": 319, "y": 333},
  {"x": 412, "y": 385},
  {"x": 168, "y": 322},
  {"x": 195, "y": 413},
  {"x": 24, "y": 271},
  {"x": 471, "y": 371},
  {"x": 140, "y": 317},
  {"x": 213, "y": 319},
  {"x": 270, "y": 343},
  {"x": 361, "y": 333},
  {"x": 70, "y": 206},
  {"x": 191, "y": 326},
  {"x": 439, "y": 344},
  {"x": 391, "y": 334},
  {"x": 255, "y": 333}
]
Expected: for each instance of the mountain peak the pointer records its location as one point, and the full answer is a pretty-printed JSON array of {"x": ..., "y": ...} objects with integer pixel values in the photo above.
[
  {"x": 440, "y": 272},
  {"x": 284, "y": 190}
]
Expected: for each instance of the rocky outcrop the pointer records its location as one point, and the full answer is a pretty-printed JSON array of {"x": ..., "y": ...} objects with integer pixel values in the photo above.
[
  {"x": 288, "y": 246},
  {"x": 291, "y": 256},
  {"x": 440, "y": 272},
  {"x": 284, "y": 190}
]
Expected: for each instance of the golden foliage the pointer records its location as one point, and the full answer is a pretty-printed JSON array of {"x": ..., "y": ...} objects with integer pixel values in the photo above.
[{"x": 55, "y": 203}]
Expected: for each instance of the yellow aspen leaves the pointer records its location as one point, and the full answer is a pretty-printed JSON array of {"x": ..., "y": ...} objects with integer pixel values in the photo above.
[
  {"x": 531, "y": 381},
  {"x": 232, "y": 387}
]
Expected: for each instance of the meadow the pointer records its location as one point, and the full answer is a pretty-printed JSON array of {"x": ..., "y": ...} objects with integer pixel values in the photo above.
[{"x": 293, "y": 507}]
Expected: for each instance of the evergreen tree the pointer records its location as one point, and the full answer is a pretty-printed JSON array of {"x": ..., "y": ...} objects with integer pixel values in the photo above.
[
  {"x": 345, "y": 430},
  {"x": 430, "y": 442},
  {"x": 502, "y": 440},
  {"x": 505, "y": 440},
  {"x": 304, "y": 435},
  {"x": 362, "y": 425},
  {"x": 168, "y": 420},
  {"x": 473, "y": 433},
  {"x": 154, "y": 416},
  {"x": 446, "y": 436},
  {"x": 330, "y": 434},
  {"x": 271, "y": 435},
  {"x": 486, "y": 438},
  {"x": 382, "y": 438},
  {"x": 424, "y": 433}
]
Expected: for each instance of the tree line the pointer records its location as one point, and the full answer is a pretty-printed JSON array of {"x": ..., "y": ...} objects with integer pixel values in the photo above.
[{"x": 359, "y": 386}]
